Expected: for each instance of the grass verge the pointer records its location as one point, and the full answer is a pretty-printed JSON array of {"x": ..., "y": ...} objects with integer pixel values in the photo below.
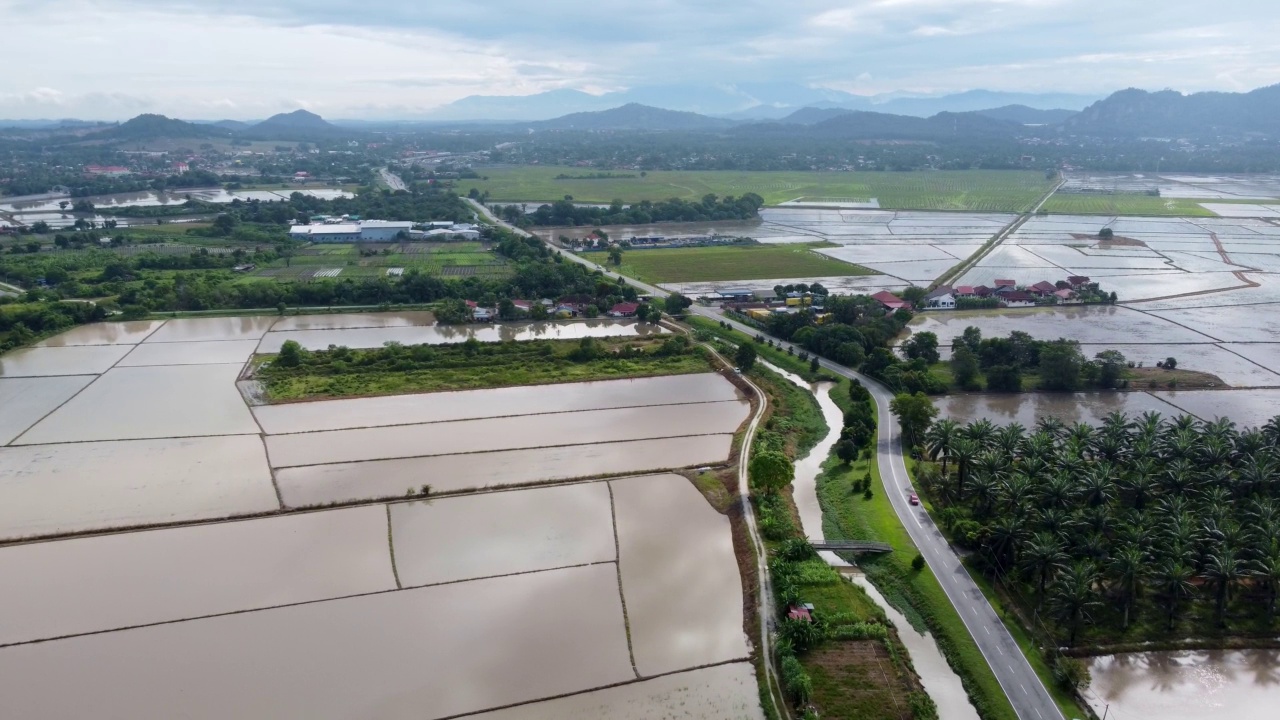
[{"x": 916, "y": 593}]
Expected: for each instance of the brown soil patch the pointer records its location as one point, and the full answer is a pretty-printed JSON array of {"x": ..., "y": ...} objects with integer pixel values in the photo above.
[
  {"x": 1141, "y": 379},
  {"x": 857, "y": 679}
]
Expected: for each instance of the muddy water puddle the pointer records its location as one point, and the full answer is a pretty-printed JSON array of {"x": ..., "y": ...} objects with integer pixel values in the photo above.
[
  {"x": 723, "y": 692},
  {"x": 48, "y": 361},
  {"x": 502, "y": 533},
  {"x": 470, "y": 436},
  {"x": 1027, "y": 408},
  {"x": 1188, "y": 685},
  {"x": 323, "y": 484},
  {"x": 498, "y": 402},
  {"x": 55, "y": 589},
  {"x": 150, "y": 402},
  {"x": 107, "y": 333},
  {"x": 445, "y": 334},
  {"x": 679, "y": 575},
  {"x": 23, "y": 401},
  {"x": 86, "y": 486},
  {"x": 342, "y": 321},
  {"x": 426, "y": 653}
]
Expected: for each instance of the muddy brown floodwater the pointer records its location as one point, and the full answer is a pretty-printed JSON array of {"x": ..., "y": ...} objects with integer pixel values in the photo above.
[
  {"x": 502, "y": 533},
  {"x": 23, "y": 401},
  {"x": 1188, "y": 685},
  {"x": 412, "y": 654},
  {"x": 323, "y": 484},
  {"x": 1027, "y": 408},
  {"x": 679, "y": 575},
  {"x": 55, "y": 589},
  {"x": 469, "y": 436}
]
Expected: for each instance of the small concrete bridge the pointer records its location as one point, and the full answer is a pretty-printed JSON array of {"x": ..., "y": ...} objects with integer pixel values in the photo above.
[{"x": 860, "y": 547}]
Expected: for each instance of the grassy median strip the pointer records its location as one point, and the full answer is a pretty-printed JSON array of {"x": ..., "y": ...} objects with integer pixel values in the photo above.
[{"x": 298, "y": 374}]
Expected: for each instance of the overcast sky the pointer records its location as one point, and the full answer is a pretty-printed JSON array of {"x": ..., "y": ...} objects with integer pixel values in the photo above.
[{"x": 112, "y": 59}]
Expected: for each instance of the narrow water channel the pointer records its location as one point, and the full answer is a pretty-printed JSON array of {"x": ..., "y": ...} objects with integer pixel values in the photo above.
[{"x": 939, "y": 680}]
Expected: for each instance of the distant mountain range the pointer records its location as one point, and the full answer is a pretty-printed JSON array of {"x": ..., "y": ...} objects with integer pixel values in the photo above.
[
  {"x": 634, "y": 116},
  {"x": 752, "y": 101},
  {"x": 297, "y": 125},
  {"x": 1169, "y": 114}
]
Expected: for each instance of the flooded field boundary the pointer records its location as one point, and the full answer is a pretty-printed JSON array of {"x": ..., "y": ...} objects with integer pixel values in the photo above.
[
  {"x": 617, "y": 561},
  {"x": 42, "y": 418},
  {"x": 391, "y": 548},
  {"x": 302, "y": 603},
  {"x": 492, "y": 417},
  {"x": 486, "y": 452}
]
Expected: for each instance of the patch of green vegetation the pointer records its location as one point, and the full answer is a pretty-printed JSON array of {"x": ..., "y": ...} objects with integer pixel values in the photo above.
[
  {"x": 734, "y": 262},
  {"x": 969, "y": 190},
  {"x": 297, "y": 374},
  {"x": 1098, "y": 204},
  {"x": 796, "y": 423},
  {"x": 775, "y": 355}
]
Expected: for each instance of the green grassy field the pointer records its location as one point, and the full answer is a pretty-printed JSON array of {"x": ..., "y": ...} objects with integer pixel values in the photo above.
[
  {"x": 1091, "y": 204},
  {"x": 734, "y": 262},
  {"x": 462, "y": 259},
  {"x": 973, "y": 190}
]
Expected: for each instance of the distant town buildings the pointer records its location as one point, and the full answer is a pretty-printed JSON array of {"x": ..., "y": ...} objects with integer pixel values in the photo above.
[{"x": 353, "y": 229}]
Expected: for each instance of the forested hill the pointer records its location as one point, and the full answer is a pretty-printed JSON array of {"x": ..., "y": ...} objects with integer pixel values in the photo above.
[{"x": 1134, "y": 113}]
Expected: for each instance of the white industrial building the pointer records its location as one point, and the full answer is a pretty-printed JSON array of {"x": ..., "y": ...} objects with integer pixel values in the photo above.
[
  {"x": 383, "y": 230},
  {"x": 367, "y": 231}
]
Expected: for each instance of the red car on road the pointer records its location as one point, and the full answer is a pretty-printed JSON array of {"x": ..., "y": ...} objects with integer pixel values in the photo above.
[{"x": 914, "y": 499}]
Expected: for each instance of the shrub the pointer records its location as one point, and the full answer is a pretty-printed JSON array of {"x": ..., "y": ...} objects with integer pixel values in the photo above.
[
  {"x": 1071, "y": 674},
  {"x": 917, "y": 562}
]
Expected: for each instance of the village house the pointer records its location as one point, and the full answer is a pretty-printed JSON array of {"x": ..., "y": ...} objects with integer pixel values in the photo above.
[
  {"x": 1005, "y": 286},
  {"x": 943, "y": 298},
  {"x": 624, "y": 309},
  {"x": 983, "y": 291},
  {"x": 1078, "y": 280},
  {"x": 1066, "y": 296},
  {"x": 891, "y": 301},
  {"x": 963, "y": 291},
  {"x": 1043, "y": 288},
  {"x": 1018, "y": 298}
]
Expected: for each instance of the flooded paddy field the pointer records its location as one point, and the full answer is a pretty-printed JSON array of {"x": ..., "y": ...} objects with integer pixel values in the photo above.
[
  {"x": 149, "y": 402},
  {"x": 442, "y": 334},
  {"x": 1246, "y": 408},
  {"x": 1187, "y": 685},
  {"x": 92, "y": 584},
  {"x": 157, "y": 198},
  {"x": 55, "y": 489},
  {"x": 209, "y": 352},
  {"x": 479, "y": 436},
  {"x": 679, "y": 576},
  {"x": 496, "y": 402},
  {"x": 315, "y": 485},
  {"x": 1027, "y": 408},
  {"x": 439, "y": 607},
  {"x": 502, "y": 533},
  {"x": 856, "y": 285},
  {"x": 341, "y": 321},
  {"x": 26, "y": 400},
  {"x": 424, "y": 653},
  {"x": 1148, "y": 258},
  {"x": 723, "y": 692},
  {"x": 1088, "y": 324},
  {"x": 49, "y": 361},
  {"x": 105, "y": 333}
]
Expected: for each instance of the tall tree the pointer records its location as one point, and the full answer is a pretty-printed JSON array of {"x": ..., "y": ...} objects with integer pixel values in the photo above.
[{"x": 915, "y": 413}]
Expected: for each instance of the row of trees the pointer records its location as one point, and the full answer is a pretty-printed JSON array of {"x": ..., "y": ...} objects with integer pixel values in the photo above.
[
  {"x": 1003, "y": 361},
  {"x": 1123, "y": 531},
  {"x": 566, "y": 213}
]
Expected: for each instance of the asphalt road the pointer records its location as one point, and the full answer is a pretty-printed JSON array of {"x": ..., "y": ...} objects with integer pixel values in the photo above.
[{"x": 1030, "y": 699}]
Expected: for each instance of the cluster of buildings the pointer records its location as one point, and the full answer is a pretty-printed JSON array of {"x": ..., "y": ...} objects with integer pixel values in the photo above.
[
  {"x": 564, "y": 308},
  {"x": 350, "y": 228},
  {"x": 1006, "y": 291}
]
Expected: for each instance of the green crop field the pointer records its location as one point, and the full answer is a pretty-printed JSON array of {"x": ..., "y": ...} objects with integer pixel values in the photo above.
[
  {"x": 1100, "y": 204},
  {"x": 734, "y": 262},
  {"x": 463, "y": 259},
  {"x": 972, "y": 190}
]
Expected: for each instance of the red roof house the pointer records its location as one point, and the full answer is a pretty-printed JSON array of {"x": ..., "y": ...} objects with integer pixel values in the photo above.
[
  {"x": 1006, "y": 283},
  {"x": 890, "y": 301},
  {"x": 626, "y": 309},
  {"x": 964, "y": 291},
  {"x": 802, "y": 614},
  {"x": 1044, "y": 288}
]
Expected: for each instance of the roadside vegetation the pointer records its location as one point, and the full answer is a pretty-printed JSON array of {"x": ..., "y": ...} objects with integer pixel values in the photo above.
[
  {"x": 1020, "y": 363},
  {"x": 299, "y": 374}
]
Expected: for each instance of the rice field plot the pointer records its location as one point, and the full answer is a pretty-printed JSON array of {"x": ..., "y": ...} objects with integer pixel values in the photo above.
[
  {"x": 1123, "y": 204},
  {"x": 961, "y": 190},
  {"x": 734, "y": 262},
  {"x": 370, "y": 260}
]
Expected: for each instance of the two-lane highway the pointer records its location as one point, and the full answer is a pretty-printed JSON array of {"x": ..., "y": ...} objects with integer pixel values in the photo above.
[{"x": 1029, "y": 697}]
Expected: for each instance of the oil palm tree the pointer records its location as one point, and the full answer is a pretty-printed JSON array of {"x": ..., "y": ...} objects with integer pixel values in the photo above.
[
  {"x": 938, "y": 440},
  {"x": 1172, "y": 579},
  {"x": 1126, "y": 572},
  {"x": 1072, "y": 598},
  {"x": 1042, "y": 554},
  {"x": 1225, "y": 570},
  {"x": 964, "y": 450}
]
